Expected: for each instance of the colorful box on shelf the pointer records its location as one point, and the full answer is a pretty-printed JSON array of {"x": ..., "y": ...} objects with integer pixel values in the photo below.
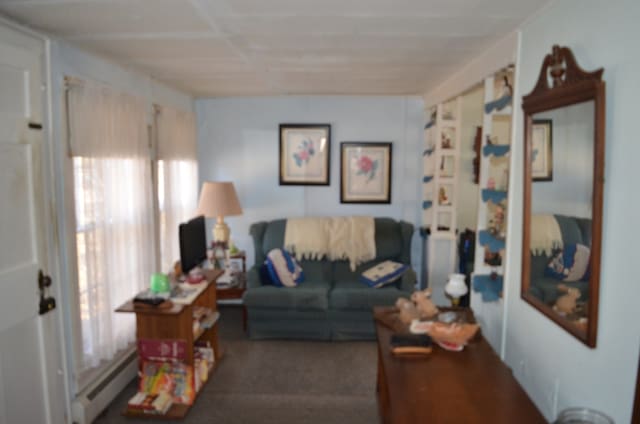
[
  {"x": 427, "y": 204},
  {"x": 489, "y": 286},
  {"x": 496, "y": 196},
  {"x": 489, "y": 241},
  {"x": 162, "y": 349},
  {"x": 495, "y": 149}
]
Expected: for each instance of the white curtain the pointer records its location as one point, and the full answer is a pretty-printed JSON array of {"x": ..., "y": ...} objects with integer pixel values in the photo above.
[
  {"x": 177, "y": 178},
  {"x": 114, "y": 218}
]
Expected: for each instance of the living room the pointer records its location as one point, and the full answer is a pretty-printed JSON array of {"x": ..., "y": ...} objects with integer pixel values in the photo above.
[{"x": 237, "y": 139}]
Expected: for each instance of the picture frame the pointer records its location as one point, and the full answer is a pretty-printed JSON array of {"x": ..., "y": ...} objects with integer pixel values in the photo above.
[
  {"x": 542, "y": 150},
  {"x": 235, "y": 265},
  {"x": 365, "y": 172},
  {"x": 305, "y": 154}
]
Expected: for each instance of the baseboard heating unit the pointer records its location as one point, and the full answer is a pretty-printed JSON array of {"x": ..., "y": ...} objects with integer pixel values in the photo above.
[{"x": 97, "y": 396}]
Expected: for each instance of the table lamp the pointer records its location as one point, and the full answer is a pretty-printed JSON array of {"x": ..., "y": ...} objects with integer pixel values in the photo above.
[
  {"x": 217, "y": 200},
  {"x": 456, "y": 288}
]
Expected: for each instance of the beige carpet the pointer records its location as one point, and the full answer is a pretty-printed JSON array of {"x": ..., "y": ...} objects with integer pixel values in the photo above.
[{"x": 280, "y": 382}]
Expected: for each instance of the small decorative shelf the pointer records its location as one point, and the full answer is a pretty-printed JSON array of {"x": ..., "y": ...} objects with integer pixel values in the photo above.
[
  {"x": 498, "y": 104},
  {"x": 441, "y": 154},
  {"x": 487, "y": 240},
  {"x": 495, "y": 149},
  {"x": 495, "y": 196},
  {"x": 489, "y": 286}
]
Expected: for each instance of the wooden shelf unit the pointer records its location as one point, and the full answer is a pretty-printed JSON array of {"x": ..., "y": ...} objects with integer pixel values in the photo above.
[{"x": 176, "y": 322}]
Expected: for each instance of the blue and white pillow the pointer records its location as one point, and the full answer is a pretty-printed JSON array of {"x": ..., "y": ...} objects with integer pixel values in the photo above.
[
  {"x": 283, "y": 269},
  {"x": 384, "y": 273},
  {"x": 570, "y": 264}
]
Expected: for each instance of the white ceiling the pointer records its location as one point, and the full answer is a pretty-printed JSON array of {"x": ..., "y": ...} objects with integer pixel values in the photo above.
[{"x": 272, "y": 47}]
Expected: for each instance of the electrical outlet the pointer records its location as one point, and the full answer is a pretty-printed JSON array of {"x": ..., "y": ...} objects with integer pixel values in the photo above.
[
  {"x": 556, "y": 392},
  {"x": 522, "y": 368},
  {"x": 552, "y": 397}
]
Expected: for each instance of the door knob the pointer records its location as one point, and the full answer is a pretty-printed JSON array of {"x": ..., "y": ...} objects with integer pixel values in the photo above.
[{"x": 47, "y": 303}]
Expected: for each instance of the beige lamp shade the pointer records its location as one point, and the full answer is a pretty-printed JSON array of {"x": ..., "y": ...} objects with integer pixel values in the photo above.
[{"x": 217, "y": 200}]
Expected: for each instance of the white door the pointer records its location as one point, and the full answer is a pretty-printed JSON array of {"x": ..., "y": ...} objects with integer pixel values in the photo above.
[{"x": 32, "y": 385}]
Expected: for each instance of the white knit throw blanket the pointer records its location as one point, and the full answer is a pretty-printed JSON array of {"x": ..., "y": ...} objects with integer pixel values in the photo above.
[
  {"x": 337, "y": 238},
  {"x": 545, "y": 234}
]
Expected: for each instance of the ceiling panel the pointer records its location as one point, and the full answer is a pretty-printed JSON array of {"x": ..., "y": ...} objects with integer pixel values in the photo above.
[
  {"x": 259, "y": 47},
  {"x": 113, "y": 16},
  {"x": 362, "y": 25},
  {"x": 176, "y": 49},
  {"x": 346, "y": 7},
  {"x": 194, "y": 68}
]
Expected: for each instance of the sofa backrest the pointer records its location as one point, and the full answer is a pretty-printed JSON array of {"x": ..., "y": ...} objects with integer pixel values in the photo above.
[
  {"x": 392, "y": 238},
  {"x": 574, "y": 230}
]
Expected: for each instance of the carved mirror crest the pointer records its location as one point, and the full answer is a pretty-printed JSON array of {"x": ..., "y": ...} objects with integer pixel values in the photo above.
[{"x": 563, "y": 184}]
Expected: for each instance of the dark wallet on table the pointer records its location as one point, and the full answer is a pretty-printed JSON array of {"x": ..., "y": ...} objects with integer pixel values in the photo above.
[{"x": 410, "y": 344}]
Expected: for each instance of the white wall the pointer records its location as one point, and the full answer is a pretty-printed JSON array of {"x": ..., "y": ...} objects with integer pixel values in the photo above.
[
  {"x": 238, "y": 141},
  {"x": 468, "y": 196},
  {"x": 570, "y": 191},
  {"x": 546, "y": 359}
]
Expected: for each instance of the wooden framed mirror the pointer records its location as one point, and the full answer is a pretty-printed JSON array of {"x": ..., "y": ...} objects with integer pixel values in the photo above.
[{"x": 564, "y": 121}]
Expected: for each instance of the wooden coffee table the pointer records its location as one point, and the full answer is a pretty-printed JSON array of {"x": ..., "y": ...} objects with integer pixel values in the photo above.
[{"x": 471, "y": 386}]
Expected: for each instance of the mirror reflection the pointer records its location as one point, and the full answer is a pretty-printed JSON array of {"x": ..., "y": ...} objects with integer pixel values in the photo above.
[
  {"x": 563, "y": 187},
  {"x": 562, "y": 163}
]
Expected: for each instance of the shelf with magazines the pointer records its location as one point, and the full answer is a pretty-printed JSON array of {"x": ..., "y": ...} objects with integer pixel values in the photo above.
[{"x": 178, "y": 350}]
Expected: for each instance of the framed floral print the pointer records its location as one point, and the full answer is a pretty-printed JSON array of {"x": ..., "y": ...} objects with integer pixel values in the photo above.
[
  {"x": 365, "y": 172},
  {"x": 305, "y": 153}
]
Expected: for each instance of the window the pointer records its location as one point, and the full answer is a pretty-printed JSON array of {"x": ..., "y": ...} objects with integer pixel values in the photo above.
[
  {"x": 115, "y": 239},
  {"x": 177, "y": 183},
  {"x": 177, "y": 178},
  {"x": 114, "y": 262}
]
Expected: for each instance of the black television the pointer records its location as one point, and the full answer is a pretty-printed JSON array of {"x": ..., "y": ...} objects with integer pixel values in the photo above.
[{"x": 193, "y": 243}]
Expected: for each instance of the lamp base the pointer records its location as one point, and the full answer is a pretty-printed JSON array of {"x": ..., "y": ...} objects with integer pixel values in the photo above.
[{"x": 221, "y": 231}]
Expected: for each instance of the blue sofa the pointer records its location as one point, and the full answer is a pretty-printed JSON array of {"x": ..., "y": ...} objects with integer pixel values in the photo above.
[
  {"x": 573, "y": 230},
  {"x": 332, "y": 303}
]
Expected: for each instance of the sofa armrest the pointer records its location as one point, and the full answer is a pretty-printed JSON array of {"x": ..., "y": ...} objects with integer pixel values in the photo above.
[
  {"x": 253, "y": 278},
  {"x": 408, "y": 281}
]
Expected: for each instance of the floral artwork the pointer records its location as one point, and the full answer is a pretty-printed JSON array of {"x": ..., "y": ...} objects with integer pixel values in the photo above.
[
  {"x": 367, "y": 167},
  {"x": 305, "y": 154},
  {"x": 365, "y": 172}
]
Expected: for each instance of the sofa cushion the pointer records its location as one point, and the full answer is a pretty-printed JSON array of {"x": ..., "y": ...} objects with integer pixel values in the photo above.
[
  {"x": 273, "y": 237},
  {"x": 316, "y": 270},
  {"x": 570, "y": 263},
  {"x": 547, "y": 289},
  {"x": 311, "y": 295},
  {"x": 384, "y": 273},
  {"x": 570, "y": 230},
  {"x": 342, "y": 273},
  {"x": 283, "y": 269},
  {"x": 353, "y": 295},
  {"x": 388, "y": 238}
]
